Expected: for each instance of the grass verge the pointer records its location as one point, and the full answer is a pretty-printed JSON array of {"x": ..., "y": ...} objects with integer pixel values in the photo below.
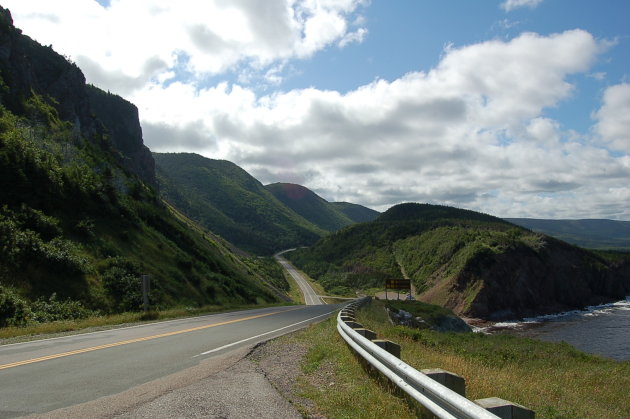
[
  {"x": 334, "y": 380},
  {"x": 554, "y": 379}
]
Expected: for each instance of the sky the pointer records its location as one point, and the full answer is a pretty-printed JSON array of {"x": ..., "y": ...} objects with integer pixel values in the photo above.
[{"x": 516, "y": 108}]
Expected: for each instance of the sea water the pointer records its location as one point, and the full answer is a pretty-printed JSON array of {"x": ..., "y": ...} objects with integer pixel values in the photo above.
[{"x": 602, "y": 330}]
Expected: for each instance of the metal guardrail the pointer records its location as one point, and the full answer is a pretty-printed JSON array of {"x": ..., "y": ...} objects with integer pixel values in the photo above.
[{"x": 438, "y": 399}]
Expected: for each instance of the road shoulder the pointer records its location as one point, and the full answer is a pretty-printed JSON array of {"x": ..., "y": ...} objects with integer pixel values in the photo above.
[{"x": 229, "y": 385}]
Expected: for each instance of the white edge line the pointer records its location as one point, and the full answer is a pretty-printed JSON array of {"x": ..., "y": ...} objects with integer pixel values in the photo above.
[
  {"x": 262, "y": 334},
  {"x": 114, "y": 329}
]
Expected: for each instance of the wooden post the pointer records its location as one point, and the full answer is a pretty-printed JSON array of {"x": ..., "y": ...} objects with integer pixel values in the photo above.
[{"x": 145, "y": 292}]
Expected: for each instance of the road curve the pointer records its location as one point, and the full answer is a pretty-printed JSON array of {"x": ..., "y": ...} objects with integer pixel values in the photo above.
[
  {"x": 40, "y": 376},
  {"x": 310, "y": 296}
]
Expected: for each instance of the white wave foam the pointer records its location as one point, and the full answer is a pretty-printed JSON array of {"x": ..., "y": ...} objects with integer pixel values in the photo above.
[{"x": 587, "y": 312}]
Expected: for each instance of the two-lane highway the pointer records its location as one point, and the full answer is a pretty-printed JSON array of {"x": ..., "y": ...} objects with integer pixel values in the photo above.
[
  {"x": 40, "y": 376},
  {"x": 310, "y": 296}
]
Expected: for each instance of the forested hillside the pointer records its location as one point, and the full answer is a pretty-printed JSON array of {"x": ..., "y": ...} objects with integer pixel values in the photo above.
[
  {"x": 80, "y": 221},
  {"x": 357, "y": 213},
  {"x": 309, "y": 205},
  {"x": 473, "y": 263},
  {"x": 329, "y": 216},
  {"x": 227, "y": 200}
]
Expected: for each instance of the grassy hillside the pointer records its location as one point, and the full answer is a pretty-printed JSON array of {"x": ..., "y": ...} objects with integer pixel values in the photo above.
[
  {"x": 362, "y": 255},
  {"x": 473, "y": 263},
  {"x": 73, "y": 223},
  {"x": 310, "y": 206},
  {"x": 593, "y": 234},
  {"x": 224, "y": 198},
  {"x": 78, "y": 226}
]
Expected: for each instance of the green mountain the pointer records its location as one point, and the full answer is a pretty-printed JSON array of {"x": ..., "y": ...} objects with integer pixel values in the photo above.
[
  {"x": 593, "y": 234},
  {"x": 357, "y": 213},
  {"x": 80, "y": 221},
  {"x": 225, "y": 199},
  {"x": 476, "y": 264},
  {"x": 326, "y": 215}
]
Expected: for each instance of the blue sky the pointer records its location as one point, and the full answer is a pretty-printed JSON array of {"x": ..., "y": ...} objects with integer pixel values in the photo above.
[
  {"x": 512, "y": 107},
  {"x": 423, "y": 28}
]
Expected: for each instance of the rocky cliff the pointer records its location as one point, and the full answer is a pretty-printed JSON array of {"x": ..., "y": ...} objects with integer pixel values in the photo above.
[
  {"x": 523, "y": 281},
  {"x": 107, "y": 120}
]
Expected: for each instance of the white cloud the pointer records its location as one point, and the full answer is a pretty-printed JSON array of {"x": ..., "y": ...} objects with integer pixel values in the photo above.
[
  {"x": 509, "y": 5},
  {"x": 356, "y": 36},
  {"x": 613, "y": 117},
  {"x": 471, "y": 132},
  {"x": 134, "y": 41}
]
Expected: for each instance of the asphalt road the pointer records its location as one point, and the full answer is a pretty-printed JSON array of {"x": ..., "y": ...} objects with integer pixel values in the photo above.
[
  {"x": 44, "y": 375},
  {"x": 310, "y": 296}
]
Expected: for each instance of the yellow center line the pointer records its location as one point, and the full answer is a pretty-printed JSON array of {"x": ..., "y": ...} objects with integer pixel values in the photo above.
[{"x": 126, "y": 342}]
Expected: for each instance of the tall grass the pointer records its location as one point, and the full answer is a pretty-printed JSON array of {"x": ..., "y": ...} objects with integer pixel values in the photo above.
[
  {"x": 554, "y": 379},
  {"x": 334, "y": 379}
]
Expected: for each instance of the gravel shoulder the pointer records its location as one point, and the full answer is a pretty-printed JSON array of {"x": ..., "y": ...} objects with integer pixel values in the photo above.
[{"x": 256, "y": 381}]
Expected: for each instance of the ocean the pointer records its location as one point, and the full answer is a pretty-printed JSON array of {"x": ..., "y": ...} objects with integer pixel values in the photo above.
[{"x": 602, "y": 330}]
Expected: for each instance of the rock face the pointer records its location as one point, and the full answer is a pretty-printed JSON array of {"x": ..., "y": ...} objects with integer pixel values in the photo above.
[
  {"x": 106, "y": 120},
  {"x": 522, "y": 282},
  {"x": 445, "y": 323},
  {"x": 121, "y": 121}
]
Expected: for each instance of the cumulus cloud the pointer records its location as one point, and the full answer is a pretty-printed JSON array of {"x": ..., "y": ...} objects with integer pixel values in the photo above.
[
  {"x": 470, "y": 132},
  {"x": 356, "y": 36},
  {"x": 509, "y": 5},
  {"x": 129, "y": 37},
  {"x": 613, "y": 117}
]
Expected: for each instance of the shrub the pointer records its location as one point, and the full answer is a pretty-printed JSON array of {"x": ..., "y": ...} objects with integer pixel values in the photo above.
[
  {"x": 13, "y": 310},
  {"x": 121, "y": 280},
  {"x": 53, "y": 310}
]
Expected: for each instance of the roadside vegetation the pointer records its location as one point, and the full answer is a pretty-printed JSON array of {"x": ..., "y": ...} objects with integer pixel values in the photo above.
[
  {"x": 335, "y": 381},
  {"x": 554, "y": 379}
]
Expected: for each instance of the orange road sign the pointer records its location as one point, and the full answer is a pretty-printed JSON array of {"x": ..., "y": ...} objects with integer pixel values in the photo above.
[{"x": 398, "y": 284}]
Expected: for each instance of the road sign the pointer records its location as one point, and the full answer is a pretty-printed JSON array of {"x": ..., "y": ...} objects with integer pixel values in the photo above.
[{"x": 398, "y": 284}]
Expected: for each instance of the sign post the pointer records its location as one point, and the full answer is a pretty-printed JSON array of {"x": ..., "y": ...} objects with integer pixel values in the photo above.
[
  {"x": 397, "y": 284},
  {"x": 146, "y": 284}
]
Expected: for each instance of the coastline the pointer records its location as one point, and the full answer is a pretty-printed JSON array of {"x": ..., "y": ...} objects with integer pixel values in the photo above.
[{"x": 599, "y": 329}]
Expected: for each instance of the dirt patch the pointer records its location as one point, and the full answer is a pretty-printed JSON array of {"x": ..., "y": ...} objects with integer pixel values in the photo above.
[{"x": 281, "y": 363}]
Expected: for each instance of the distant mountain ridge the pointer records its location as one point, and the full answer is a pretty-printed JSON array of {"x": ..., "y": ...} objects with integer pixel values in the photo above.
[
  {"x": 227, "y": 200},
  {"x": 329, "y": 216},
  {"x": 357, "y": 213},
  {"x": 589, "y": 233},
  {"x": 475, "y": 264}
]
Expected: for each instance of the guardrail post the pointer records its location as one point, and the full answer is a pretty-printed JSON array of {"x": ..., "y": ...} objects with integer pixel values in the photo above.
[
  {"x": 506, "y": 409},
  {"x": 389, "y": 346},
  {"x": 366, "y": 333},
  {"x": 447, "y": 379},
  {"x": 354, "y": 324}
]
